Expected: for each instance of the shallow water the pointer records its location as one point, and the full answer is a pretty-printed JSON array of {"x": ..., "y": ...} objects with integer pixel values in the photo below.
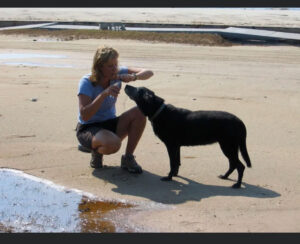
[
  {"x": 31, "y": 204},
  {"x": 39, "y": 64},
  {"x": 12, "y": 56},
  {"x": 27, "y": 55}
]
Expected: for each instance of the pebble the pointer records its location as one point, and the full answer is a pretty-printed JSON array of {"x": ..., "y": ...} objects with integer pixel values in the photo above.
[{"x": 33, "y": 99}]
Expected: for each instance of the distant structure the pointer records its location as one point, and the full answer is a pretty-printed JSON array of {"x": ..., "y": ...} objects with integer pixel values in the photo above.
[{"x": 116, "y": 26}]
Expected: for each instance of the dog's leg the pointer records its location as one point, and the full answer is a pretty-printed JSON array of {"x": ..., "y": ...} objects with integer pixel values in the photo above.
[
  {"x": 231, "y": 152},
  {"x": 173, "y": 151},
  {"x": 177, "y": 162},
  {"x": 240, "y": 169},
  {"x": 232, "y": 167}
]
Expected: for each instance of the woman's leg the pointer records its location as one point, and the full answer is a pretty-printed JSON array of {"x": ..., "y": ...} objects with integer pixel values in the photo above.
[
  {"x": 132, "y": 124},
  {"x": 106, "y": 142}
]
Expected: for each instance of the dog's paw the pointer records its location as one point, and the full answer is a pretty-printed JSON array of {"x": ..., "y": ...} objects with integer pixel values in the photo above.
[
  {"x": 222, "y": 177},
  {"x": 236, "y": 186},
  {"x": 167, "y": 178}
]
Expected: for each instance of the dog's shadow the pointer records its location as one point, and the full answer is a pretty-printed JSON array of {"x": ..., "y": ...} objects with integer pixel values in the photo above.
[{"x": 149, "y": 185}]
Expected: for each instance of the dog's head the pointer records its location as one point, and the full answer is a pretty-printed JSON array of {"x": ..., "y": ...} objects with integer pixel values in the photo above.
[{"x": 145, "y": 99}]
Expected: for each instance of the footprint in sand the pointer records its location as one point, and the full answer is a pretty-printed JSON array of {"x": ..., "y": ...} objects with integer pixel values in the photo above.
[{"x": 19, "y": 136}]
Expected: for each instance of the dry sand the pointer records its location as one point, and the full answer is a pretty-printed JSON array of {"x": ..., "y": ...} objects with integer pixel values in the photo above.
[{"x": 260, "y": 84}]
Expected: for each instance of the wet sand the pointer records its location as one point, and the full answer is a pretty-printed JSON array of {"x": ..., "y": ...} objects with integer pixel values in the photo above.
[{"x": 260, "y": 84}]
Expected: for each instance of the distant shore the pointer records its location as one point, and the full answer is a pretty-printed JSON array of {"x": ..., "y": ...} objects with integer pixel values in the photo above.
[{"x": 196, "y": 16}]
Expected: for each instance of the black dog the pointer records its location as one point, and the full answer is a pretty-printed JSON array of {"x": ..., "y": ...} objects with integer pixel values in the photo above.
[{"x": 178, "y": 127}]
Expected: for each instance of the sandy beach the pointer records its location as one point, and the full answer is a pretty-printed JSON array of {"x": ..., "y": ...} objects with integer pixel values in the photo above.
[{"x": 260, "y": 84}]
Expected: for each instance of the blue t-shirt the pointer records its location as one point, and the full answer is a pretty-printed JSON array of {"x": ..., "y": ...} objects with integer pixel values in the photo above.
[{"x": 108, "y": 108}]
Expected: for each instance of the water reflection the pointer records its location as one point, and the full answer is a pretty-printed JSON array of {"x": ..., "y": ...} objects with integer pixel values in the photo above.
[{"x": 92, "y": 215}]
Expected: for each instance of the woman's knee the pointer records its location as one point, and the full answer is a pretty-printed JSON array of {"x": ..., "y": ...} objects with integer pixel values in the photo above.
[
  {"x": 109, "y": 148},
  {"x": 113, "y": 146},
  {"x": 138, "y": 115},
  {"x": 106, "y": 142}
]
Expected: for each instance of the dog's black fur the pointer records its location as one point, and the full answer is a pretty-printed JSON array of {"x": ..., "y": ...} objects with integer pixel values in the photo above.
[{"x": 178, "y": 127}]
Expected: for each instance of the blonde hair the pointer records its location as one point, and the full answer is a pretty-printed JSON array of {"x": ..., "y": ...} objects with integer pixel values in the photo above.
[{"x": 102, "y": 55}]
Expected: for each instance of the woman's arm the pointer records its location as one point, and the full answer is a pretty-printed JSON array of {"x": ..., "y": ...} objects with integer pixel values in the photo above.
[
  {"x": 88, "y": 107},
  {"x": 141, "y": 74},
  {"x": 136, "y": 74}
]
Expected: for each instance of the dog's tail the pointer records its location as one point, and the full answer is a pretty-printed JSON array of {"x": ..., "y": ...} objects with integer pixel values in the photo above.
[{"x": 243, "y": 147}]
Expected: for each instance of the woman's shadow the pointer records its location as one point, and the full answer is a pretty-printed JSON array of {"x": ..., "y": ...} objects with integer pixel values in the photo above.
[{"x": 179, "y": 190}]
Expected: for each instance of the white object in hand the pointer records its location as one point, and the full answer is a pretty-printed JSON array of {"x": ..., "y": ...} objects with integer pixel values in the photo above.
[{"x": 118, "y": 84}]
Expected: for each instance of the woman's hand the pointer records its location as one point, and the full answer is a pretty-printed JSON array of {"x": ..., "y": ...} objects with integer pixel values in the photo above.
[
  {"x": 127, "y": 77},
  {"x": 112, "y": 90}
]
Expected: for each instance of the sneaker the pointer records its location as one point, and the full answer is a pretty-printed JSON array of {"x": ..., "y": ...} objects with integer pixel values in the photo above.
[
  {"x": 128, "y": 162},
  {"x": 96, "y": 160}
]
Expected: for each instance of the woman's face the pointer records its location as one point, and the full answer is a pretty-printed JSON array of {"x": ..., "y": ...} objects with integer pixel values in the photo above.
[{"x": 110, "y": 68}]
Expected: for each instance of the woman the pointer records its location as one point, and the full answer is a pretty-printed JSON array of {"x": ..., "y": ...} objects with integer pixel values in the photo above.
[{"x": 99, "y": 129}]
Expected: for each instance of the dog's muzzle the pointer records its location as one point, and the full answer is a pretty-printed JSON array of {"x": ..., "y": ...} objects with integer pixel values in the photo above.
[{"x": 131, "y": 91}]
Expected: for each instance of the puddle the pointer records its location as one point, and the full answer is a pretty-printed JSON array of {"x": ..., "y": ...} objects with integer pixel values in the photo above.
[
  {"x": 8, "y": 56},
  {"x": 28, "y": 55},
  {"x": 39, "y": 64},
  {"x": 31, "y": 204}
]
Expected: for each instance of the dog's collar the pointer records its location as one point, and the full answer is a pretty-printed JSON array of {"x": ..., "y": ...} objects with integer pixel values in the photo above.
[{"x": 157, "y": 112}]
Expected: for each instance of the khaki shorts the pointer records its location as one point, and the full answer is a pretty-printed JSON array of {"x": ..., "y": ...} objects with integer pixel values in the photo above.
[{"x": 85, "y": 132}]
